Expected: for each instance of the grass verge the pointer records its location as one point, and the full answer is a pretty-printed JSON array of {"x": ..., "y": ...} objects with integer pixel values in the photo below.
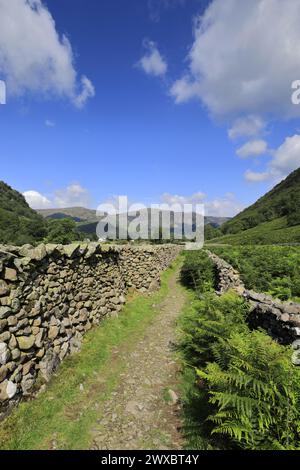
[{"x": 63, "y": 416}]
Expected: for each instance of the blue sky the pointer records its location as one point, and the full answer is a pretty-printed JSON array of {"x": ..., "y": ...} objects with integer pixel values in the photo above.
[{"x": 160, "y": 98}]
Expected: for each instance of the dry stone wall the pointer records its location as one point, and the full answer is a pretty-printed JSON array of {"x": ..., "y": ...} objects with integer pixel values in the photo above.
[
  {"x": 280, "y": 319},
  {"x": 51, "y": 295}
]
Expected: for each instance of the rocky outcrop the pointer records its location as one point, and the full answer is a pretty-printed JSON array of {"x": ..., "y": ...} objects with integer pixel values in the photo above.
[
  {"x": 280, "y": 319},
  {"x": 51, "y": 295}
]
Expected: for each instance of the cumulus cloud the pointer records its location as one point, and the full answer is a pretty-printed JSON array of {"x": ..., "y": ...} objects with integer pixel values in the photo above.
[
  {"x": 36, "y": 200},
  {"x": 256, "y": 177},
  {"x": 253, "y": 148},
  {"x": 34, "y": 58},
  {"x": 247, "y": 126},
  {"x": 72, "y": 195},
  {"x": 285, "y": 159},
  {"x": 226, "y": 206},
  {"x": 287, "y": 156},
  {"x": 87, "y": 91},
  {"x": 171, "y": 199},
  {"x": 152, "y": 63},
  {"x": 239, "y": 64},
  {"x": 185, "y": 89}
]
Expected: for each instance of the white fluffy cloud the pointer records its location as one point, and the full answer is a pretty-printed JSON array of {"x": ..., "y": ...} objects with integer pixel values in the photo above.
[
  {"x": 73, "y": 195},
  {"x": 252, "y": 148},
  {"x": 34, "y": 57},
  {"x": 248, "y": 126},
  {"x": 171, "y": 199},
  {"x": 287, "y": 156},
  {"x": 256, "y": 177},
  {"x": 152, "y": 63},
  {"x": 226, "y": 206},
  {"x": 87, "y": 91},
  {"x": 244, "y": 58},
  {"x": 36, "y": 200},
  {"x": 285, "y": 159}
]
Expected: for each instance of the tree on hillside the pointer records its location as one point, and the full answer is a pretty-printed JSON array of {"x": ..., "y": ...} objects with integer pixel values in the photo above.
[
  {"x": 18, "y": 230},
  {"x": 62, "y": 231},
  {"x": 211, "y": 232}
]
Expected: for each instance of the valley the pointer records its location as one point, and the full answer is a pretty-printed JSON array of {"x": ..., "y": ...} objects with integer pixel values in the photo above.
[
  {"x": 149, "y": 231},
  {"x": 135, "y": 362}
]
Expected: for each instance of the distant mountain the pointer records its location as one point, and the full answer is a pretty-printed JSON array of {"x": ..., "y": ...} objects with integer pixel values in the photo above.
[
  {"x": 81, "y": 214},
  {"x": 216, "y": 221},
  {"x": 87, "y": 219},
  {"x": 18, "y": 222},
  {"x": 274, "y": 218}
]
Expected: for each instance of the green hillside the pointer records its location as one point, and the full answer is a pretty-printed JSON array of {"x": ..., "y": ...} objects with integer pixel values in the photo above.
[
  {"x": 275, "y": 232},
  {"x": 78, "y": 214},
  {"x": 18, "y": 222},
  {"x": 282, "y": 201},
  {"x": 273, "y": 219}
]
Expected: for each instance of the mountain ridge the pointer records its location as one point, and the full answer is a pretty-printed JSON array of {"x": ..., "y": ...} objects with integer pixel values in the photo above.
[{"x": 82, "y": 214}]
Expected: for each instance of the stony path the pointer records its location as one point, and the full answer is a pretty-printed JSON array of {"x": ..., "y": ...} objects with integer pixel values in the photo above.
[{"x": 143, "y": 412}]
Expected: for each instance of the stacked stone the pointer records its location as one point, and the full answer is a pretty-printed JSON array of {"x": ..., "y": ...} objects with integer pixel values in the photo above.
[
  {"x": 51, "y": 295},
  {"x": 227, "y": 277},
  {"x": 141, "y": 268},
  {"x": 280, "y": 319}
]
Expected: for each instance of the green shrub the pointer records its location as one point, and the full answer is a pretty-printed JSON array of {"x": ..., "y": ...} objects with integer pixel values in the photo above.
[
  {"x": 271, "y": 269},
  {"x": 245, "y": 392},
  {"x": 293, "y": 218},
  {"x": 62, "y": 231},
  {"x": 18, "y": 230},
  {"x": 198, "y": 271},
  {"x": 211, "y": 232},
  {"x": 255, "y": 392},
  {"x": 212, "y": 320}
]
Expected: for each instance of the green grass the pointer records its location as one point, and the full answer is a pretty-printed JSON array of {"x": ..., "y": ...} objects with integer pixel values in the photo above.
[
  {"x": 166, "y": 395},
  {"x": 63, "y": 412},
  {"x": 268, "y": 233}
]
